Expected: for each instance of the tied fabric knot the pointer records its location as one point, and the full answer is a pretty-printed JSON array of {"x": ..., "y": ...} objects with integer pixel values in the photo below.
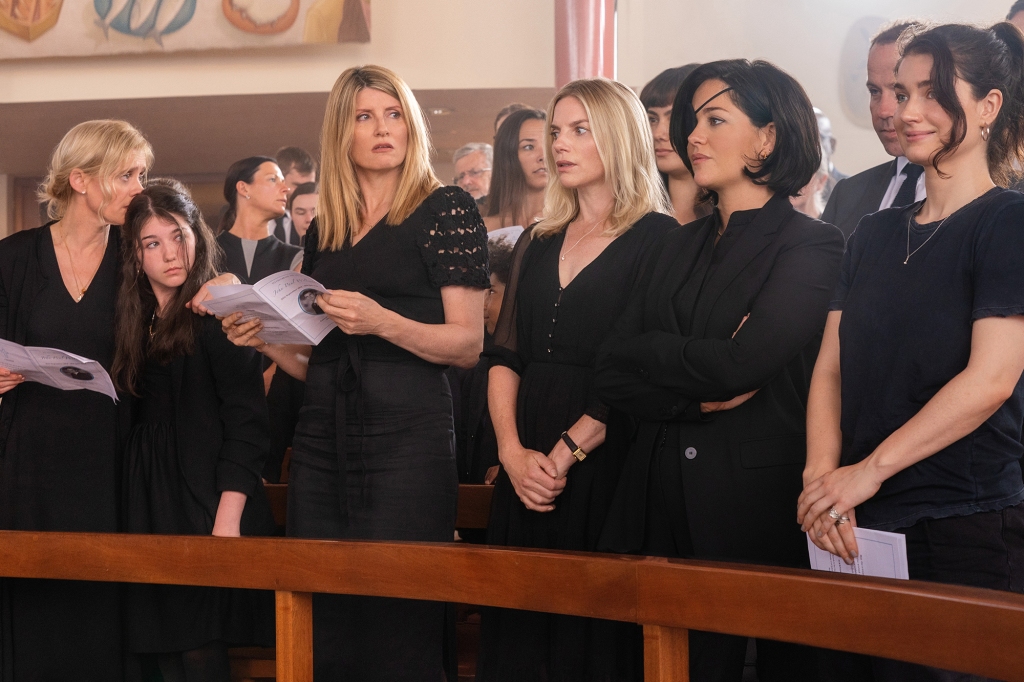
[{"x": 349, "y": 386}]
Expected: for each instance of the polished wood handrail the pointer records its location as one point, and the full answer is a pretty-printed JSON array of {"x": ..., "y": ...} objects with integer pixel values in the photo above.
[{"x": 962, "y": 628}]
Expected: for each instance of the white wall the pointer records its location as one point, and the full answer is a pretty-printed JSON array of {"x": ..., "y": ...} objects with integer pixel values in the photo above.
[
  {"x": 435, "y": 44},
  {"x": 804, "y": 37}
]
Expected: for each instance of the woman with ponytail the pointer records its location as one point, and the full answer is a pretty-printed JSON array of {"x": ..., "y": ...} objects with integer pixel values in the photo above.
[{"x": 916, "y": 405}]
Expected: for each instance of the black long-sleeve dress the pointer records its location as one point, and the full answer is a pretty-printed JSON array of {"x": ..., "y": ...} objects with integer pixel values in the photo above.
[
  {"x": 59, "y": 465},
  {"x": 374, "y": 452},
  {"x": 721, "y": 486},
  {"x": 200, "y": 429},
  {"x": 549, "y": 335}
]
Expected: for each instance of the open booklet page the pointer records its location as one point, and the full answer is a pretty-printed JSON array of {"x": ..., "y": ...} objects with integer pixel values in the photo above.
[
  {"x": 880, "y": 554},
  {"x": 56, "y": 368},
  {"x": 284, "y": 302}
]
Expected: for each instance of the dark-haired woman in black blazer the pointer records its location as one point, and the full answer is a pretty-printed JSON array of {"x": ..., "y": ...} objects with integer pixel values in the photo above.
[
  {"x": 199, "y": 437},
  {"x": 714, "y": 355}
]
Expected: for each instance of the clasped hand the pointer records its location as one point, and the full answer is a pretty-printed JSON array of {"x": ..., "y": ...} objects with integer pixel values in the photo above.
[
  {"x": 538, "y": 478},
  {"x": 841, "y": 489}
]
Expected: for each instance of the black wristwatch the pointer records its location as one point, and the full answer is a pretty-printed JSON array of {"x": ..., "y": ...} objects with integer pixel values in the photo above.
[{"x": 576, "y": 450}]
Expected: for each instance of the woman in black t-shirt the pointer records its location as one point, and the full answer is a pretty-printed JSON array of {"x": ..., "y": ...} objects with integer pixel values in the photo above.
[
  {"x": 915, "y": 410},
  {"x": 405, "y": 262}
]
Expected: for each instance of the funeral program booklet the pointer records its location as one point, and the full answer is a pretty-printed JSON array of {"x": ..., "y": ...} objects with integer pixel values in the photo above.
[
  {"x": 285, "y": 303},
  {"x": 880, "y": 554},
  {"x": 56, "y": 368}
]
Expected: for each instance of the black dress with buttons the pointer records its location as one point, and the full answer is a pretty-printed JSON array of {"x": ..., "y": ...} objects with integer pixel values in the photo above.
[{"x": 556, "y": 335}]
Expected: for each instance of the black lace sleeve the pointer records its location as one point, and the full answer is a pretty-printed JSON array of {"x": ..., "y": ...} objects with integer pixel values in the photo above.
[
  {"x": 454, "y": 247},
  {"x": 311, "y": 249}
]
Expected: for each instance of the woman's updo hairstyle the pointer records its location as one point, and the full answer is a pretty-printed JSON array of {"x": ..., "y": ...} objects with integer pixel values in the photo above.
[
  {"x": 101, "y": 149},
  {"x": 240, "y": 171},
  {"x": 987, "y": 60},
  {"x": 766, "y": 94}
]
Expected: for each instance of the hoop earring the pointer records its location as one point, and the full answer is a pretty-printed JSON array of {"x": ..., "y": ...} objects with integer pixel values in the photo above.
[{"x": 986, "y": 132}]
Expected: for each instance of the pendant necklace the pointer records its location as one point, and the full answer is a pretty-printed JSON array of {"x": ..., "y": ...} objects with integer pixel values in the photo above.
[
  {"x": 152, "y": 321},
  {"x": 71, "y": 262},
  {"x": 566, "y": 252},
  {"x": 943, "y": 222}
]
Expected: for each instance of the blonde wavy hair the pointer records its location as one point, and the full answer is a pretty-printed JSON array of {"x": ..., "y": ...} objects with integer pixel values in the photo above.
[
  {"x": 339, "y": 208},
  {"x": 626, "y": 147},
  {"x": 101, "y": 149}
]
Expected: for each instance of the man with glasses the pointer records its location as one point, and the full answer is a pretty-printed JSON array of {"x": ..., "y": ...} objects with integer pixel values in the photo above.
[{"x": 473, "y": 169}]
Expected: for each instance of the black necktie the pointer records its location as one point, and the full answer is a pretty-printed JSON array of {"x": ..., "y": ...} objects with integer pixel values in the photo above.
[{"x": 908, "y": 190}]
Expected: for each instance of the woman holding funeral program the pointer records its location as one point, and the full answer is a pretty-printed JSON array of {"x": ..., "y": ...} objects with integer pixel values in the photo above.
[{"x": 373, "y": 456}]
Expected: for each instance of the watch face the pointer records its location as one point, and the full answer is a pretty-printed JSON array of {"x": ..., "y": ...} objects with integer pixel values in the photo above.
[{"x": 853, "y": 69}]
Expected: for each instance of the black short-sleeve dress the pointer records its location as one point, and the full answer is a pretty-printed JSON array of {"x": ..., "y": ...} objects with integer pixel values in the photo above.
[
  {"x": 550, "y": 338},
  {"x": 374, "y": 453}
]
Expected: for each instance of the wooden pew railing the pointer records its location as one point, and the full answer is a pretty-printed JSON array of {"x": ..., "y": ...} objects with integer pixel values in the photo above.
[{"x": 967, "y": 629}]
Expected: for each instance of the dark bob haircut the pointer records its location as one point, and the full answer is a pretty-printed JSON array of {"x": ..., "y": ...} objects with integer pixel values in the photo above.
[
  {"x": 661, "y": 90},
  {"x": 766, "y": 94},
  {"x": 987, "y": 60}
]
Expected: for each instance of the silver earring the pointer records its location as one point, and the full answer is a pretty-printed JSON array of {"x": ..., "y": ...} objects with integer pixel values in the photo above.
[
  {"x": 246, "y": 196},
  {"x": 986, "y": 132},
  {"x": 82, "y": 192}
]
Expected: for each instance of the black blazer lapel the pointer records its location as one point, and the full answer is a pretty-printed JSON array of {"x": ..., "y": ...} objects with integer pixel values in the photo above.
[
  {"x": 875, "y": 189},
  {"x": 678, "y": 271},
  {"x": 751, "y": 241}
]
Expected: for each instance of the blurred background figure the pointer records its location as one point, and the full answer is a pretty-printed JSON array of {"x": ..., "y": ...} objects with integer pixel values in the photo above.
[
  {"x": 811, "y": 200},
  {"x": 298, "y": 168},
  {"x": 1016, "y": 14},
  {"x": 520, "y": 176},
  {"x": 505, "y": 111},
  {"x": 893, "y": 183},
  {"x": 657, "y": 98},
  {"x": 828, "y": 150},
  {"x": 473, "y": 169},
  {"x": 302, "y": 207}
]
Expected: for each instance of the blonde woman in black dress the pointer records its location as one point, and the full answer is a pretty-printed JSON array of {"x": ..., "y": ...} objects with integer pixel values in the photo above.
[
  {"x": 559, "y": 449},
  {"x": 405, "y": 261}
]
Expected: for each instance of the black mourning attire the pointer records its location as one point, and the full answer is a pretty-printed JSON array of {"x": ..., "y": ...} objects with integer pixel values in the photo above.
[
  {"x": 373, "y": 456},
  {"x": 724, "y": 485},
  {"x": 549, "y": 336},
  {"x": 200, "y": 429},
  {"x": 906, "y": 332},
  {"x": 285, "y": 396},
  {"x": 60, "y": 466}
]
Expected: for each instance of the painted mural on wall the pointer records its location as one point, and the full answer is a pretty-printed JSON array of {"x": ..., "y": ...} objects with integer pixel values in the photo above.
[{"x": 64, "y": 28}]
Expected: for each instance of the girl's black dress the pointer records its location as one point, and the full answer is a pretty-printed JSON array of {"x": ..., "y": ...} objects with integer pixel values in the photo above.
[
  {"x": 374, "y": 452},
  {"x": 171, "y": 487},
  {"x": 549, "y": 336},
  {"x": 59, "y": 465}
]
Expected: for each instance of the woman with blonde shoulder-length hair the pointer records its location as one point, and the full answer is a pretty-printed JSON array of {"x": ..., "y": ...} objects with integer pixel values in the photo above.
[
  {"x": 560, "y": 448},
  {"x": 405, "y": 262},
  {"x": 59, "y": 461}
]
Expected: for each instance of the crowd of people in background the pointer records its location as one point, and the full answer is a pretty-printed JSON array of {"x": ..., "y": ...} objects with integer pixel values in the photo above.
[{"x": 662, "y": 324}]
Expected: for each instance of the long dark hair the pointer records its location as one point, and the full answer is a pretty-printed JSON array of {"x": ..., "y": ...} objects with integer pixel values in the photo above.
[
  {"x": 240, "y": 171},
  {"x": 766, "y": 94},
  {"x": 508, "y": 184},
  {"x": 173, "y": 335},
  {"x": 986, "y": 59}
]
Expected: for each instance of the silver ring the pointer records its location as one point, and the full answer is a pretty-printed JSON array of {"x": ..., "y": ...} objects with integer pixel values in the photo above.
[
  {"x": 842, "y": 519},
  {"x": 834, "y": 515}
]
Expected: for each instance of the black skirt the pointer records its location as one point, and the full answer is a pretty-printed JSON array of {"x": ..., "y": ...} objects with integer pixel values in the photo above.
[
  {"x": 374, "y": 458},
  {"x": 157, "y": 500}
]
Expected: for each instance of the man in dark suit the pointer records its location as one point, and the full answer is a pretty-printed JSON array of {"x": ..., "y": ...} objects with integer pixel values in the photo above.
[
  {"x": 298, "y": 168},
  {"x": 893, "y": 183}
]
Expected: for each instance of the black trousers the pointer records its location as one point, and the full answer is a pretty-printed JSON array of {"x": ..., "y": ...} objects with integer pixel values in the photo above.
[
  {"x": 399, "y": 483},
  {"x": 714, "y": 657}
]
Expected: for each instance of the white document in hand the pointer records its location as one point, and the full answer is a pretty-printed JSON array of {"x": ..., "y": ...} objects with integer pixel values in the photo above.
[
  {"x": 283, "y": 302},
  {"x": 56, "y": 368},
  {"x": 880, "y": 554}
]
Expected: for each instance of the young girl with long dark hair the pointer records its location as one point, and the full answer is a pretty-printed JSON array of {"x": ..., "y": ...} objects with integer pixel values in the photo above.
[{"x": 199, "y": 435}]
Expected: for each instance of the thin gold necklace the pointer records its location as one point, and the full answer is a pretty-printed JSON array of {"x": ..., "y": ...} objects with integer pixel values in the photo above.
[
  {"x": 566, "y": 252},
  {"x": 71, "y": 263}
]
